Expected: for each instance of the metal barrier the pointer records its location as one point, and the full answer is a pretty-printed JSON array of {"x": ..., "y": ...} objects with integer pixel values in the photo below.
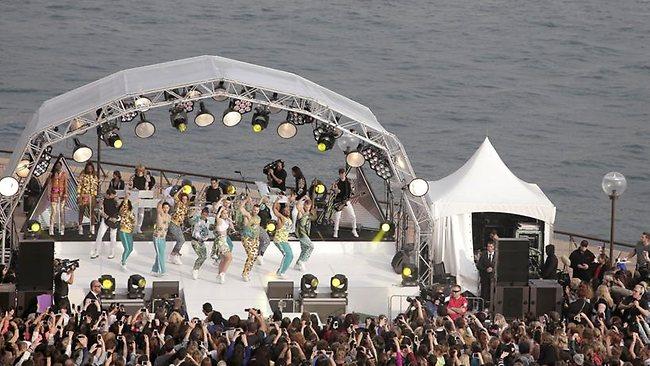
[
  {"x": 390, "y": 304},
  {"x": 476, "y": 303}
]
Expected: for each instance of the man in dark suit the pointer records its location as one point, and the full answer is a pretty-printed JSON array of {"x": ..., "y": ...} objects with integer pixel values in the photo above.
[
  {"x": 93, "y": 302},
  {"x": 485, "y": 267}
]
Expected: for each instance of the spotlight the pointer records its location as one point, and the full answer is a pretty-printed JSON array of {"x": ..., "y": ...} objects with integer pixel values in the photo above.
[
  {"x": 339, "y": 285},
  {"x": 308, "y": 285},
  {"x": 108, "y": 133},
  {"x": 231, "y": 190},
  {"x": 135, "y": 286},
  {"x": 129, "y": 115},
  {"x": 418, "y": 187},
  {"x": 77, "y": 124},
  {"x": 178, "y": 118},
  {"x": 274, "y": 99},
  {"x": 296, "y": 118},
  {"x": 231, "y": 117},
  {"x": 387, "y": 227},
  {"x": 8, "y": 186},
  {"x": 287, "y": 130},
  {"x": 81, "y": 152},
  {"x": 320, "y": 188},
  {"x": 144, "y": 129},
  {"x": 44, "y": 162},
  {"x": 114, "y": 140},
  {"x": 33, "y": 226},
  {"x": 260, "y": 119},
  {"x": 325, "y": 142},
  {"x": 203, "y": 117},
  {"x": 22, "y": 170},
  {"x": 220, "y": 92},
  {"x": 271, "y": 226},
  {"x": 409, "y": 275},
  {"x": 355, "y": 159},
  {"x": 108, "y": 286},
  {"x": 143, "y": 103},
  {"x": 193, "y": 94}
]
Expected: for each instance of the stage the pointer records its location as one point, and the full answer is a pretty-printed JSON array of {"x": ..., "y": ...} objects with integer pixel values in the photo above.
[{"x": 372, "y": 281}]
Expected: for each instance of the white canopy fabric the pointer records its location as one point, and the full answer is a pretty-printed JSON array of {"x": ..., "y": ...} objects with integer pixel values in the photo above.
[
  {"x": 483, "y": 184},
  {"x": 193, "y": 70}
]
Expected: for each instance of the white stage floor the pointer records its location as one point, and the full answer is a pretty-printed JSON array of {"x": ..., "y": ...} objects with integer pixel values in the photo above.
[{"x": 372, "y": 281}]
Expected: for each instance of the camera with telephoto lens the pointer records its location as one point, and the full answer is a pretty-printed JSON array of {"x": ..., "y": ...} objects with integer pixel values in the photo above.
[
  {"x": 270, "y": 166},
  {"x": 67, "y": 265}
]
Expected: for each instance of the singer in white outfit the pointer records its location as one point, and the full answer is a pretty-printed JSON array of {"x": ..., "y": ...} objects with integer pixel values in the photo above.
[
  {"x": 343, "y": 190},
  {"x": 110, "y": 220}
]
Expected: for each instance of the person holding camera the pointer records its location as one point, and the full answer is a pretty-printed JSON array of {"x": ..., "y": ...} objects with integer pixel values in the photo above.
[
  {"x": 62, "y": 279},
  {"x": 277, "y": 176}
]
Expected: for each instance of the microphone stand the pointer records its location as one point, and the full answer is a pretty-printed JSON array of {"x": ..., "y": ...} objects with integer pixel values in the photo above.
[{"x": 244, "y": 180}]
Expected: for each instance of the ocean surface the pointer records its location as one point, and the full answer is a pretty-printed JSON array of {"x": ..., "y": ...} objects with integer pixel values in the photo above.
[{"x": 561, "y": 87}]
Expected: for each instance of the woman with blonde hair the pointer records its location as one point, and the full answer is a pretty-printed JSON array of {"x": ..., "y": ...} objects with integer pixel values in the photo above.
[{"x": 603, "y": 302}]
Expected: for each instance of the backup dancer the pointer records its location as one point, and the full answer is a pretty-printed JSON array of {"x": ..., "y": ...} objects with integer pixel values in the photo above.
[
  {"x": 303, "y": 229},
  {"x": 264, "y": 239},
  {"x": 163, "y": 219},
  {"x": 250, "y": 236},
  {"x": 110, "y": 214},
  {"x": 87, "y": 196},
  {"x": 127, "y": 221},
  {"x": 58, "y": 182},
  {"x": 181, "y": 207},
  {"x": 281, "y": 237},
  {"x": 221, "y": 252},
  {"x": 200, "y": 234}
]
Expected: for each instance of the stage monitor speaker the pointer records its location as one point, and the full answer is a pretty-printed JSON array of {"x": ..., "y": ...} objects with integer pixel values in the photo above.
[
  {"x": 280, "y": 295},
  {"x": 35, "y": 265},
  {"x": 7, "y": 296},
  {"x": 510, "y": 301},
  {"x": 545, "y": 296},
  {"x": 165, "y": 290},
  {"x": 511, "y": 267}
]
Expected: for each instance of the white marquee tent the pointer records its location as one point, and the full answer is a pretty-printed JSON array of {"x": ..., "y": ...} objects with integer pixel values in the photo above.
[{"x": 483, "y": 184}]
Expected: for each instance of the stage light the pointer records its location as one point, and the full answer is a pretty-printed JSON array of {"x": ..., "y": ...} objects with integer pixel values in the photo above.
[
  {"x": 339, "y": 285},
  {"x": 220, "y": 92},
  {"x": 308, "y": 285},
  {"x": 273, "y": 109},
  {"x": 418, "y": 187},
  {"x": 81, "y": 152},
  {"x": 77, "y": 124},
  {"x": 128, "y": 116},
  {"x": 193, "y": 94},
  {"x": 108, "y": 286},
  {"x": 22, "y": 169},
  {"x": 203, "y": 117},
  {"x": 107, "y": 132},
  {"x": 33, "y": 226},
  {"x": 409, "y": 275},
  {"x": 260, "y": 119},
  {"x": 143, "y": 103},
  {"x": 271, "y": 226},
  {"x": 355, "y": 159},
  {"x": 287, "y": 130},
  {"x": 187, "y": 189},
  {"x": 114, "y": 140},
  {"x": 44, "y": 162},
  {"x": 178, "y": 118},
  {"x": 320, "y": 188},
  {"x": 325, "y": 142},
  {"x": 135, "y": 287},
  {"x": 296, "y": 118},
  {"x": 144, "y": 129},
  {"x": 231, "y": 117},
  {"x": 231, "y": 190},
  {"x": 8, "y": 186}
]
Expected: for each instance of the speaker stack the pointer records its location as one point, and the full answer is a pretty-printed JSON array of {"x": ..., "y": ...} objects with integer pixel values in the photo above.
[
  {"x": 510, "y": 291},
  {"x": 34, "y": 273}
]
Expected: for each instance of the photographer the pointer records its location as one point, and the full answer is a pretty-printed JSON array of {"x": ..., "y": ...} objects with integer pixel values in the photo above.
[
  {"x": 277, "y": 176},
  {"x": 64, "y": 277}
]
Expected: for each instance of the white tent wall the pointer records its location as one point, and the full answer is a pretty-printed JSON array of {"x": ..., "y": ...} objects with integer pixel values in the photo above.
[{"x": 452, "y": 237}]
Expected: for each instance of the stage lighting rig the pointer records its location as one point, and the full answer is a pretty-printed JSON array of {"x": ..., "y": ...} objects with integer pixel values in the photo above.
[
  {"x": 354, "y": 159},
  {"x": 135, "y": 286},
  {"x": 178, "y": 118},
  {"x": 409, "y": 275},
  {"x": 378, "y": 161},
  {"x": 308, "y": 285},
  {"x": 22, "y": 169},
  {"x": 143, "y": 103},
  {"x": 325, "y": 137},
  {"x": 260, "y": 119},
  {"x": 44, "y": 163},
  {"x": 107, "y": 132},
  {"x": 339, "y": 286},
  {"x": 8, "y": 186},
  {"x": 130, "y": 115},
  {"x": 296, "y": 118},
  {"x": 287, "y": 130},
  {"x": 274, "y": 99},
  {"x": 418, "y": 187},
  {"x": 144, "y": 129},
  {"x": 203, "y": 116},
  {"x": 220, "y": 92},
  {"x": 81, "y": 152},
  {"x": 108, "y": 286}
]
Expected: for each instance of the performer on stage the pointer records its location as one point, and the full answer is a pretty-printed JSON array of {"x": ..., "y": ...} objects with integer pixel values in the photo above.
[
  {"x": 265, "y": 217},
  {"x": 277, "y": 177},
  {"x": 159, "y": 233},
  {"x": 200, "y": 234},
  {"x": 485, "y": 267},
  {"x": 117, "y": 183},
  {"x": 302, "y": 232},
  {"x": 250, "y": 235},
  {"x": 281, "y": 238},
  {"x": 181, "y": 207},
  {"x": 87, "y": 196},
  {"x": 127, "y": 221},
  {"x": 110, "y": 220},
  {"x": 58, "y": 182},
  {"x": 343, "y": 190},
  {"x": 221, "y": 251},
  {"x": 301, "y": 182},
  {"x": 142, "y": 181}
]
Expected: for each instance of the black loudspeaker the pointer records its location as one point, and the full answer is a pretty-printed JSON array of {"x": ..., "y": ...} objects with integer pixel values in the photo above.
[
  {"x": 511, "y": 267},
  {"x": 510, "y": 301},
  {"x": 280, "y": 295},
  {"x": 398, "y": 261},
  {"x": 7, "y": 296},
  {"x": 34, "y": 268},
  {"x": 164, "y": 290},
  {"x": 545, "y": 296}
]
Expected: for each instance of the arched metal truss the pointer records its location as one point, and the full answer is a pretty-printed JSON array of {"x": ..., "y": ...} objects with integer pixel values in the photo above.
[{"x": 32, "y": 146}]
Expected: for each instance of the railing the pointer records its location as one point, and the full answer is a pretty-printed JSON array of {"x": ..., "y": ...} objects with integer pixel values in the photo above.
[{"x": 606, "y": 241}]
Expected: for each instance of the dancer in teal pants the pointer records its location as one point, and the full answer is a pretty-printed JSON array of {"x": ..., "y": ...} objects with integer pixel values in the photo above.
[
  {"x": 127, "y": 220},
  {"x": 281, "y": 238},
  {"x": 303, "y": 229},
  {"x": 159, "y": 232}
]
